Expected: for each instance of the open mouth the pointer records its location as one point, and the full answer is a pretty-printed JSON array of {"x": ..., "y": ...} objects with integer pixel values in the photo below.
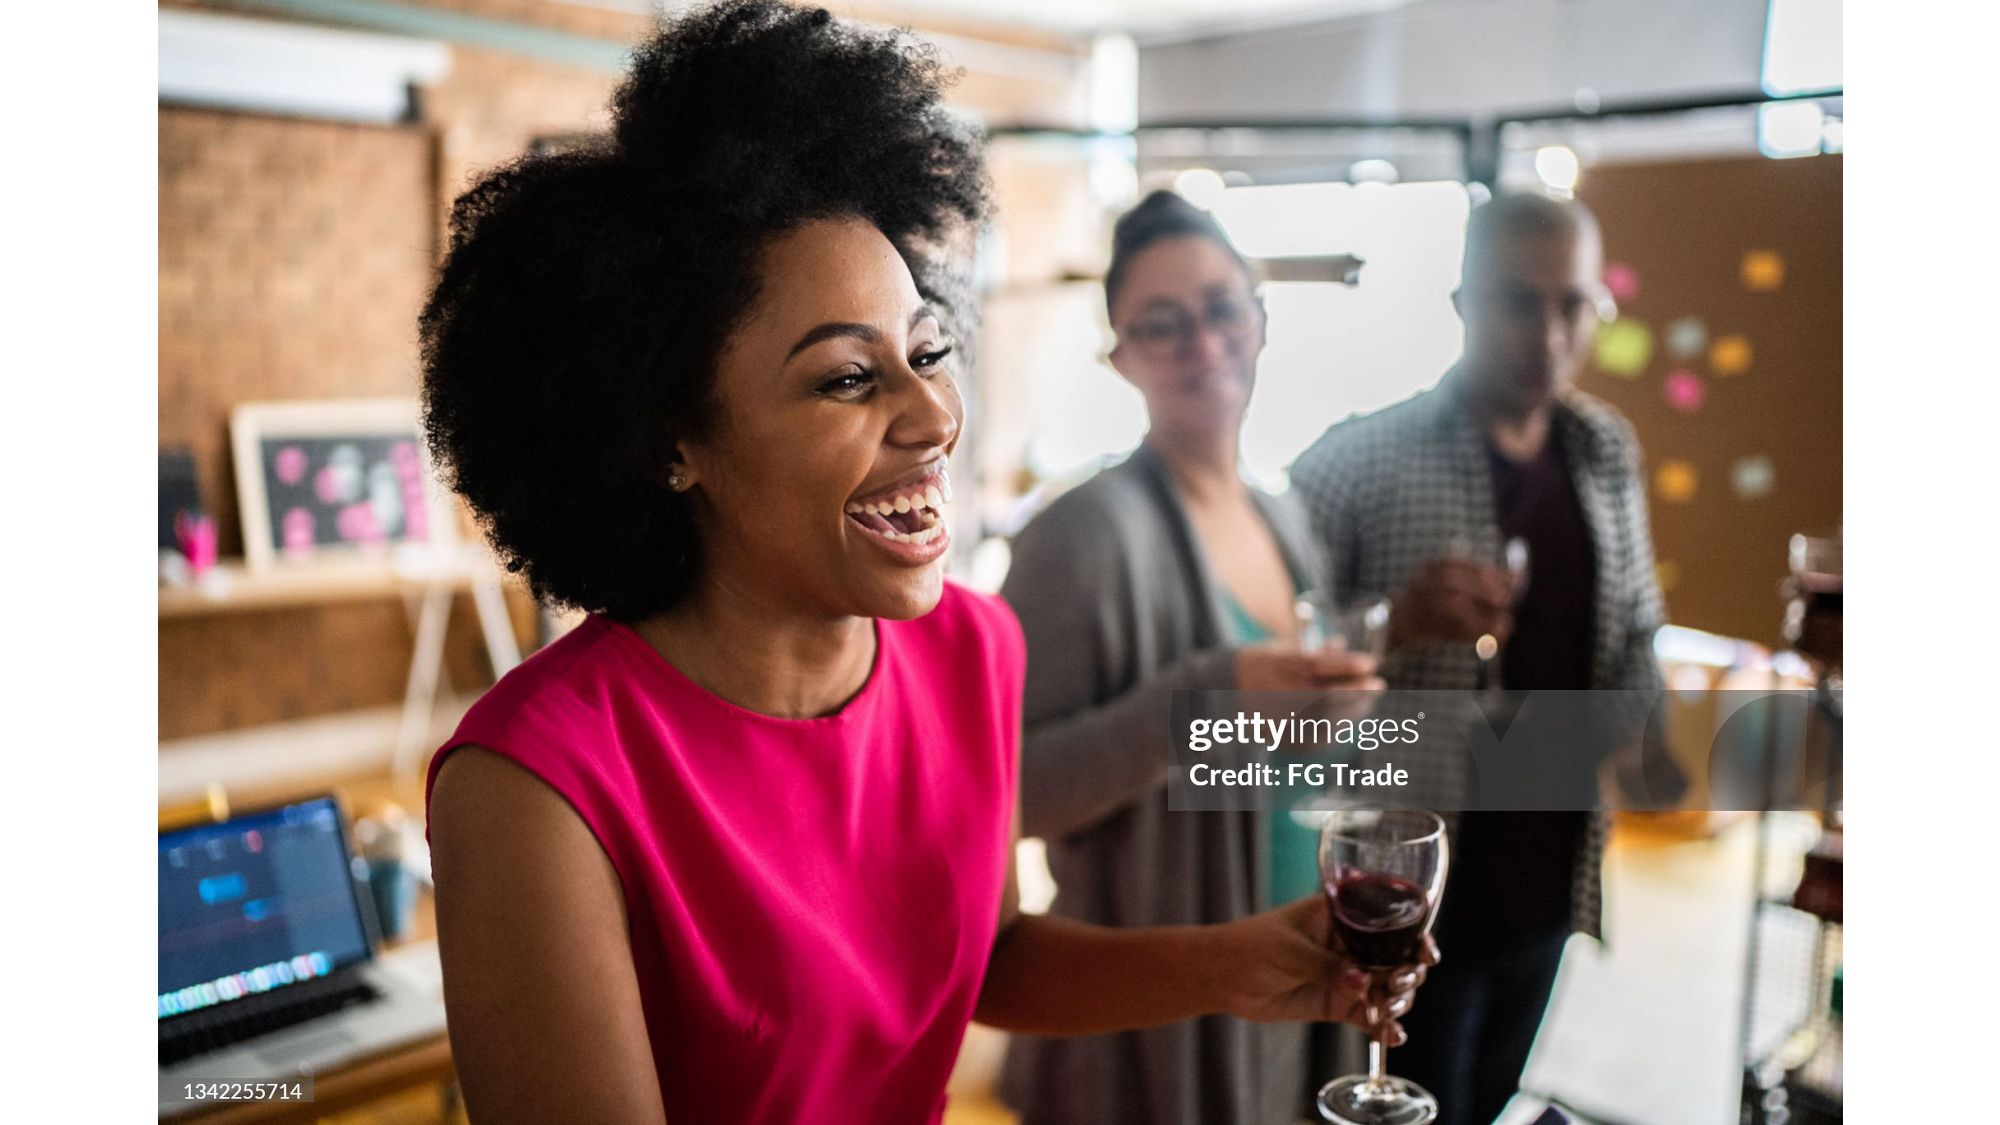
[{"x": 910, "y": 513}]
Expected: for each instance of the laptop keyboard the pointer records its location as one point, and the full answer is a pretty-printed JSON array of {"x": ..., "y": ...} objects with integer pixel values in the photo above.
[{"x": 202, "y": 1032}]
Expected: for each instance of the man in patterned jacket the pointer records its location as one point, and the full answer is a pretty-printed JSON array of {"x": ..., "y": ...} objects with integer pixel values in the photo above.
[{"x": 1415, "y": 501}]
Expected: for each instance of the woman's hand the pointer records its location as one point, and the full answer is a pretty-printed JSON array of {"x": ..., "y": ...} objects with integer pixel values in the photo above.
[
  {"x": 1275, "y": 967},
  {"x": 1279, "y": 667},
  {"x": 1348, "y": 678}
]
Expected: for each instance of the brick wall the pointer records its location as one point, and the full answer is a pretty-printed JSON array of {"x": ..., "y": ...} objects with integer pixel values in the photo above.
[{"x": 294, "y": 256}]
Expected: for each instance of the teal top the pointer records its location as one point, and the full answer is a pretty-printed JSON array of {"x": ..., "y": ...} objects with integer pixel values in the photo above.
[{"x": 1294, "y": 846}]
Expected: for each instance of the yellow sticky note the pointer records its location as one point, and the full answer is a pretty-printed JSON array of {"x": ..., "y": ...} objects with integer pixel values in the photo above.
[
  {"x": 1763, "y": 270},
  {"x": 1675, "y": 481},
  {"x": 1624, "y": 347},
  {"x": 1668, "y": 573},
  {"x": 1730, "y": 355}
]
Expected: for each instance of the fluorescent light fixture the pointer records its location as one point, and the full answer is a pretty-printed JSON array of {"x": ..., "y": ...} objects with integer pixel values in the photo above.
[
  {"x": 1786, "y": 129},
  {"x": 1370, "y": 221},
  {"x": 1802, "y": 47},
  {"x": 268, "y": 67}
]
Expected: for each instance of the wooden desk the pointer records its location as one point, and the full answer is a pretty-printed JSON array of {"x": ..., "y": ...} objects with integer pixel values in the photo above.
[{"x": 426, "y": 1062}]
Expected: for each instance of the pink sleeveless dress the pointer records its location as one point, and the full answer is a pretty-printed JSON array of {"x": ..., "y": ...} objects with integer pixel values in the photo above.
[{"x": 812, "y": 901}]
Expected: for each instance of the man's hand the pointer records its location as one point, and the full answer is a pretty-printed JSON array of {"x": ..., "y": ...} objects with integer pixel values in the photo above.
[
  {"x": 1275, "y": 967},
  {"x": 1453, "y": 600}
]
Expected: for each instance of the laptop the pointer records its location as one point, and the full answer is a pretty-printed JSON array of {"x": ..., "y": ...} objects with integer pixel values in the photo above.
[{"x": 268, "y": 965}]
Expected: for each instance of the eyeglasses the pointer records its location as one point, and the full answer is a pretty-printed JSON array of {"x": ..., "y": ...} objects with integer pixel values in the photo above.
[{"x": 1166, "y": 331}]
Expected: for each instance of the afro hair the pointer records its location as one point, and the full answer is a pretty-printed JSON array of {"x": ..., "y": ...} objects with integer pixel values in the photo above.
[{"x": 574, "y": 328}]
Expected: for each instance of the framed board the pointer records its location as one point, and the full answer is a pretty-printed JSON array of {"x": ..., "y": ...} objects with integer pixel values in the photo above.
[{"x": 336, "y": 480}]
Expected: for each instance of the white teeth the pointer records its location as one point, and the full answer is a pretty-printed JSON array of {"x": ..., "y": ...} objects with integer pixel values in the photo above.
[
  {"x": 930, "y": 500},
  {"x": 918, "y": 537}
]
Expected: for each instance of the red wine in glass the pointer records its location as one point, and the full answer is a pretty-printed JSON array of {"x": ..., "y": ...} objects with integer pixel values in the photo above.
[
  {"x": 1383, "y": 871},
  {"x": 1380, "y": 918}
]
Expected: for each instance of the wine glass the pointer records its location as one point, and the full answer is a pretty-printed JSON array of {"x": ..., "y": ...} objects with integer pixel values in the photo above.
[
  {"x": 1513, "y": 559},
  {"x": 1384, "y": 872},
  {"x": 1359, "y": 625}
]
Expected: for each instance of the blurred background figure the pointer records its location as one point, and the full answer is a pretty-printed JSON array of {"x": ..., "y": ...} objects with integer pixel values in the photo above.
[
  {"x": 1419, "y": 499},
  {"x": 1164, "y": 572}
]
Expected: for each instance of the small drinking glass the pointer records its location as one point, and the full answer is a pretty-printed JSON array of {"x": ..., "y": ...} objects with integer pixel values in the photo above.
[
  {"x": 1358, "y": 625},
  {"x": 1514, "y": 560}
]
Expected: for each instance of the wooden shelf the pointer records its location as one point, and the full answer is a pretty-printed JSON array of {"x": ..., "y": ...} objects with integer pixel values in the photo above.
[{"x": 232, "y": 588}]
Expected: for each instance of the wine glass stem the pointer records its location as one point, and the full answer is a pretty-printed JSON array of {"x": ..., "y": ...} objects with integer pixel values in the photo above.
[{"x": 1378, "y": 1059}]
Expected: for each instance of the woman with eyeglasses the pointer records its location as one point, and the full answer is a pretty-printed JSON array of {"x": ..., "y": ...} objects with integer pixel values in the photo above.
[{"x": 1162, "y": 573}]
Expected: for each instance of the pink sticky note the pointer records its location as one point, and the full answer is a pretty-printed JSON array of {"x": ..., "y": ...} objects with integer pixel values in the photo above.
[
  {"x": 1685, "y": 391},
  {"x": 297, "y": 530},
  {"x": 328, "y": 487},
  {"x": 290, "y": 464},
  {"x": 357, "y": 523},
  {"x": 1622, "y": 280}
]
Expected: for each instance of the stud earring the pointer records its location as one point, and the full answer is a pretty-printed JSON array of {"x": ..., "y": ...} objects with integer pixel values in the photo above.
[{"x": 677, "y": 482}]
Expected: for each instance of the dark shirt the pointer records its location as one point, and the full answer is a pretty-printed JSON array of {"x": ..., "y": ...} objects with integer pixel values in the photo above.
[
  {"x": 1555, "y": 618},
  {"x": 1513, "y": 879}
]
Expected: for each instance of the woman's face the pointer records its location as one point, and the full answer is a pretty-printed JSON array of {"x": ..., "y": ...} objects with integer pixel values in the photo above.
[
  {"x": 1189, "y": 332},
  {"x": 822, "y": 484}
]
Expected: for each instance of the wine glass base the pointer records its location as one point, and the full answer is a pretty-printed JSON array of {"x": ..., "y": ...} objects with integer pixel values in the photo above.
[{"x": 1353, "y": 1100}]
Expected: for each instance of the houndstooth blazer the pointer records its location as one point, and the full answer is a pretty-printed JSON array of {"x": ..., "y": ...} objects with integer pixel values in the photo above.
[{"x": 1394, "y": 489}]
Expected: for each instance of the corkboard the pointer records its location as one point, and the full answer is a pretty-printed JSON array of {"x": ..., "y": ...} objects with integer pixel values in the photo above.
[{"x": 1684, "y": 231}]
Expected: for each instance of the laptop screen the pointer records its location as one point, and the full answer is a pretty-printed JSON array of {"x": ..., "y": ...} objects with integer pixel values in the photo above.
[{"x": 255, "y": 903}]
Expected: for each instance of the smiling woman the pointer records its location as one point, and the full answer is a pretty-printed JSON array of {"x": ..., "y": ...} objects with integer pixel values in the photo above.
[{"x": 739, "y": 847}]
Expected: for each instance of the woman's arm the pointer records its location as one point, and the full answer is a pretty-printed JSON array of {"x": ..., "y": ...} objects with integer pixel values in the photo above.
[
  {"x": 1057, "y": 976},
  {"x": 1084, "y": 756},
  {"x": 540, "y": 993}
]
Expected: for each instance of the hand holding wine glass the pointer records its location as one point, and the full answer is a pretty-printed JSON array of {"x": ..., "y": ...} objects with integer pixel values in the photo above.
[
  {"x": 1384, "y": 875},
  {"x": 1453, "y": 600},
  {"x": 1282, "y": 968}
]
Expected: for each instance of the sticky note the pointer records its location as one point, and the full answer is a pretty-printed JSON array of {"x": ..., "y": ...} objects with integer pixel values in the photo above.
[
  {"x": 1623, "y": 348},
  {"x": 1752, "y": 477},
  {"x": 1622, "y": 280},
  {"x": 1763, "y": 270},
  {"x": 1668, "y": 573},
  {"x": 1730, "y": 355},
  {"x": 1675, "y": 481},
  {"x": 1685, "y": 391},
  {"x": 1687, "y": 337}
]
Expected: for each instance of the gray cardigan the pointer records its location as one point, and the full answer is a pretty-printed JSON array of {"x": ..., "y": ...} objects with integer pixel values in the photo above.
[{"x": 1120, "y": 609}]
